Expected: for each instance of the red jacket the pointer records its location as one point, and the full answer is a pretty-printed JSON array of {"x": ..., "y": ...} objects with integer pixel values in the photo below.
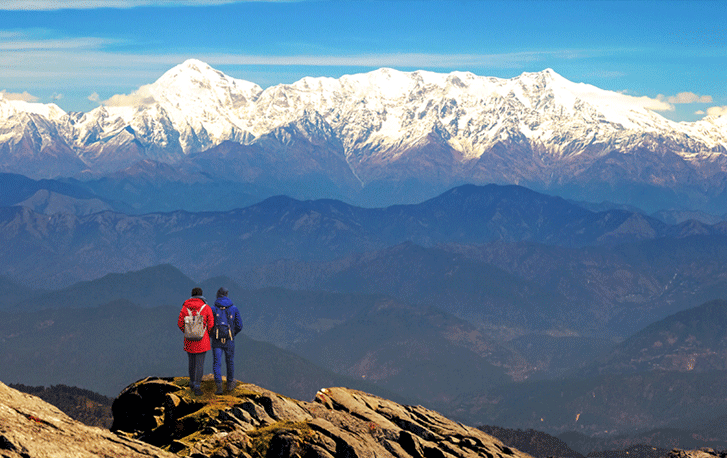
[{"x": 194, "y": 304}]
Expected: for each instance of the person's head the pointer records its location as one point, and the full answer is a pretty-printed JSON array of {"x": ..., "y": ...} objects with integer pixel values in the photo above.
[
  {"x": 222, "y": 292},
  {"x": 196, "y": 291}
]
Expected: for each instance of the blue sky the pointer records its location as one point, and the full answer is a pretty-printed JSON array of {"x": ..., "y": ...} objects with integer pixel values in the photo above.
[{"x": 674, "y": 51}]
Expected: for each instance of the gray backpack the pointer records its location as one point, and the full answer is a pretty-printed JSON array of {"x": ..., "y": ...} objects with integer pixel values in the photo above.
[{"x": 194, "y": 328}]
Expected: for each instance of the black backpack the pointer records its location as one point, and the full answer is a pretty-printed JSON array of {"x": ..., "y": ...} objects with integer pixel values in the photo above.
[{"x": 222, "y": 331}]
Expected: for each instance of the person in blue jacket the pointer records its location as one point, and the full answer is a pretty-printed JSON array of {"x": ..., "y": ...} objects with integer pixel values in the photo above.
[{"x": 228, "y": 323}]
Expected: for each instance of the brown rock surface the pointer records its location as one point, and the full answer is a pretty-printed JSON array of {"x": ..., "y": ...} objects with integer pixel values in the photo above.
[
  {"x": 252, "y": 421},
  {"x": 30, "y": 427},
  {"x": 701, "y": 453}
]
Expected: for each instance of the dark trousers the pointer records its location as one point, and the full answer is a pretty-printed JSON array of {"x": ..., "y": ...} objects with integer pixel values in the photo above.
[
  {"x": 196, "y": 369},
  {"x": 229, "y": 352}
]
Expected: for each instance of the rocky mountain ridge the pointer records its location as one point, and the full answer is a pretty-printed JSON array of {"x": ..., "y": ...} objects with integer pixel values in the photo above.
[
  {"x": 383, "y": 127},
  {"x": 252, "y": 421}
]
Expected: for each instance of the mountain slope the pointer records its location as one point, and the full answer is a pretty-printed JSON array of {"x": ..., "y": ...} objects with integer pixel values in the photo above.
[
  {"x": 14, "y": 293},
  {"x": 16, "y": 188},
  {"x": 151, "y": 287},
  {"x": 691, "y": 340},
  {"x": 477, "y": 292},
  {"x": 89, "y": 408},
  {"x": 415, "y": 350},
  {"x": 33, "y": 140},
  {"x": 671, "y": 374},
  {"x": 612, "y": 404}
]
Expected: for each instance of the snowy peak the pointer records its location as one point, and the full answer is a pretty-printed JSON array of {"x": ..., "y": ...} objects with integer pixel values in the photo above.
[
  {"x": 384, "y": 83},
  {"x": 204, "y": 85},
  {"x": 543, "y": 79},
  {"x": 195, "y": 96},
  {"x": 192, "y": 67},
  {"x": 51, "y": 111},
  {"x": 547, "y": 90},
  {"x": 190, "y": 108}
]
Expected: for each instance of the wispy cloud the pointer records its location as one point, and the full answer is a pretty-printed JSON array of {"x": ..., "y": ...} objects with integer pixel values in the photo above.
[
  {"x": 142, "y": 96},
  {"x": 38, "y": 42},
  {"x": 17, "y": 42},
  {"x": 651, "y": 104},
  {"x": 24, "y": 96},
  {"x": 409, "y": 60},
  {"x": 38, "y": 53},
  {"x": 717, "y": 111},
  {"x": 685, "y": 97},
  {"x": 49, "y": 5},
  {"x": 25, "y": 55},
  {"x": 623, "y": 99}
]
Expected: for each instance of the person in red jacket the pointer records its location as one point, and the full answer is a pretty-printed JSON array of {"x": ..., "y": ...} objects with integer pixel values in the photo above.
[{"x": 196, "y": 350}]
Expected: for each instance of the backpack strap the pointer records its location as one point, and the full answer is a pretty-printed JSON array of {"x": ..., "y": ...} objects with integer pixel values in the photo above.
[{"x": 189, "y": 311}]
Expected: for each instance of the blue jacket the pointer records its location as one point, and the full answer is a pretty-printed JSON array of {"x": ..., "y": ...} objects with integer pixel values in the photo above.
[{"x": 224, "y": 305}]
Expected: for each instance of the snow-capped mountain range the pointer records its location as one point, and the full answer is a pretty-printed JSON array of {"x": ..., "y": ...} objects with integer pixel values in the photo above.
[{"x": 386, "y": 126}]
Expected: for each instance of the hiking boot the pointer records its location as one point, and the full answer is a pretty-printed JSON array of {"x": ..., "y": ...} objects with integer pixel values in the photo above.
[
  {"x": 219, "y": 389},
  {"x": 231, "y": 385},
  {"x": 197, "y": 391}
]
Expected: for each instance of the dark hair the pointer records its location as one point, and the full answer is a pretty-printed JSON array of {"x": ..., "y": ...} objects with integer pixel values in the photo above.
[
  {"x": 222, "y": 292},
  {"x": 196, "y": 291}
]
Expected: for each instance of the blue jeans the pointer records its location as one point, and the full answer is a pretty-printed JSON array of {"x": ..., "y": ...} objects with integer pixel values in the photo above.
[
  {"x": 229, "y": 352},
  {"x": 196, "y": 369}
]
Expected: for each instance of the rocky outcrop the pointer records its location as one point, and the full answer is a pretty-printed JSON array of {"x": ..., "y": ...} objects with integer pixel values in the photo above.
[
  {"x": 252, "y": 421},
  {"x": 701, "y": 453},
  {"x": 30, "y": 427}
]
